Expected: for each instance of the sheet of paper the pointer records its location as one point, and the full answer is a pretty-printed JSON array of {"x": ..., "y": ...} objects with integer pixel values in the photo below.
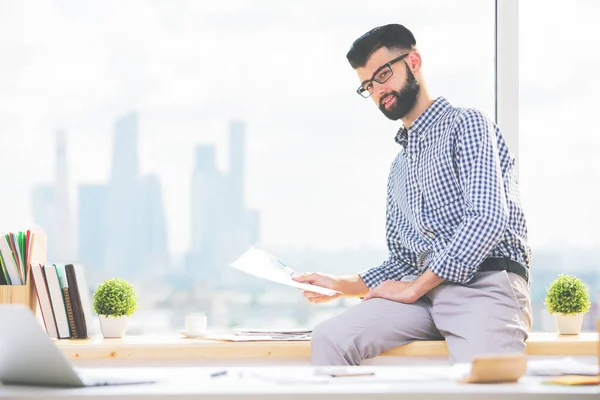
[
  {"x": 291, "y": 331},
  {"x": 562, "y": 366},
  {"x": 227, "y": 337},
  {"x": 261, "y": 264},
  {"x": 351, "y": 375}
]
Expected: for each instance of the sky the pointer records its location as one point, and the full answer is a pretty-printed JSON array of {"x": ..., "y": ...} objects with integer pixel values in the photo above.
[{"x": 317, "y": 154}]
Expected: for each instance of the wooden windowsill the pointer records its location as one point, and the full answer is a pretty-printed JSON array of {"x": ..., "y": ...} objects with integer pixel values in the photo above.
[{"x": 179, "y": 348}]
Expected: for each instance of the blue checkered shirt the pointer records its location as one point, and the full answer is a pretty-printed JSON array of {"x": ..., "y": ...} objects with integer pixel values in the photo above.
[{"x": 452, "y": 199}]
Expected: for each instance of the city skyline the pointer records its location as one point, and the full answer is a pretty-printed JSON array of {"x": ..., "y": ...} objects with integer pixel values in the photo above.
[{"x": 122, "y": 223}]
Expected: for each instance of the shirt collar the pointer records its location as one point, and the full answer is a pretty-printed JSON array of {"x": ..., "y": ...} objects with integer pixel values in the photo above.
[{"x": 424, "y": 121}]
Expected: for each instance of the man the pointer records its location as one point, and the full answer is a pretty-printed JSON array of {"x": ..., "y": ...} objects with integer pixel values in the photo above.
[{"x": 458, "y": 253}]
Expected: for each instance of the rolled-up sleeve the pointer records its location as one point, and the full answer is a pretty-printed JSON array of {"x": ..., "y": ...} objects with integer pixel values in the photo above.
[
  {"x": 486, "y": 212},
  {"x": 390, "y": 269}
]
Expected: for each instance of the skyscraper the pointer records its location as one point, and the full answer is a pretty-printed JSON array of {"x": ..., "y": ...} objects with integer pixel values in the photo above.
[
  {"x": 123, "y": 200},
  {"x": 222, "y": 228},
  {"x": 153, "y": 229},
  {"x": 208, "y": 207},
  {"x": 136, "y": 232},
  {"x": 237, "y": 163},
  {"x": 43, "y": 211},
  {"x": 91, "y": 219},
  {"x": 61, "y": 246},
  {"x": 51, "y": 209}
]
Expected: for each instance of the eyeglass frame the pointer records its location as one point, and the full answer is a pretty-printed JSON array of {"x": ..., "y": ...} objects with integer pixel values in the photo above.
[{"x": 373, "y": 79}]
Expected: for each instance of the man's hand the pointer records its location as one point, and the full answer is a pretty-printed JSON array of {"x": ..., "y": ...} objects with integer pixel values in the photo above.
[
  {"x": 402, "y": 292},
  {"x": 323, "y": 280}
]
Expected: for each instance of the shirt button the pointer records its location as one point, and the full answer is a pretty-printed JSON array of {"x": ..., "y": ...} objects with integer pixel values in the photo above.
[
  {"x": 415, "y": 185},
  {"x": 431, "y": 234},
  {"x": 414, "y": 157}
]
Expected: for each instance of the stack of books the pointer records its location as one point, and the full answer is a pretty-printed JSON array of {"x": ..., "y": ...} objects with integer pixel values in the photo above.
[
  {"x": 61, "y": 290},
  {"x": 63, "y": 298}
]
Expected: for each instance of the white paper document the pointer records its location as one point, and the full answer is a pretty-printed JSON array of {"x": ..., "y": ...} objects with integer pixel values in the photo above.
[
  {"x": 351, "y": 375},
  {"x": 266, "y": 266},
  {"x": 281, "y": 332},
  {"x": 562, "y": 366},
  {"x": 253, "y": 338}
]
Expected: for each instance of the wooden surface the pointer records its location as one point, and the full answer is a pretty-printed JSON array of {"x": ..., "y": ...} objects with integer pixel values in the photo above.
[{"x": 178, "y": 348}]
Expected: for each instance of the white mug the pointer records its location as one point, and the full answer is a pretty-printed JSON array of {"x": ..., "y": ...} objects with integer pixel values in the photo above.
[{"x": 195, "y": 323}]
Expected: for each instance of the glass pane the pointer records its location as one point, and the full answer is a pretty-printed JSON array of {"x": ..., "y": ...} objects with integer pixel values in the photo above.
[
  {"x": 188, "y": 133},
  {"x": 559, "y": 145}
]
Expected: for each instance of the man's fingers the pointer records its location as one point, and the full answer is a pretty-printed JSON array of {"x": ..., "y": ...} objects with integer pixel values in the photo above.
[
  {"x": 372, "y": 293},
  {"x": 317, "y": 298},
  {"x": 310, "y": 295},
  {"x": 304, "y": 278}
]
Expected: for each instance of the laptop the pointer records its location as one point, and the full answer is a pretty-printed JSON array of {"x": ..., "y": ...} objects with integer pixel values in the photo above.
[{"x": 28, "y": 356}]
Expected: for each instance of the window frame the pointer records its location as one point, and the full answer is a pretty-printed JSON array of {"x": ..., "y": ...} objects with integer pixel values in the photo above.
[{"x": 507, "y": 73}]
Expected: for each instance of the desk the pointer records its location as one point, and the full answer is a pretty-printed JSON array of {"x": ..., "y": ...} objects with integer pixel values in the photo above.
[
  {"x": 195, "y": 383},
  {"x": 175, "y": 347}
]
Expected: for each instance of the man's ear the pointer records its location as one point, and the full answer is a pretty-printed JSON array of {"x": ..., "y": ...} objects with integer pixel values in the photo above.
[{"x": 414, "y": 62}]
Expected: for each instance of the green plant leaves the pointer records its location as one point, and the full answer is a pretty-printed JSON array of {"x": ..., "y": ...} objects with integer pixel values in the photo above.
[
  {"x": 115, "y": 297},
  {"x": 567, "y": 295}
]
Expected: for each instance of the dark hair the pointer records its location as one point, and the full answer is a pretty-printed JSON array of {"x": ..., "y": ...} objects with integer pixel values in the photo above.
[{"x": 392, "y": 36}]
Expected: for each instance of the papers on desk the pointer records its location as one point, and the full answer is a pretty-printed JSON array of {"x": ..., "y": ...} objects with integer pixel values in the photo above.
[
  {"x": 253, "y": 335},
  {"x": 563, "y": 366},
  {"x": 266, "y": 266},
  {"x": 231, "y": 337},
  {"x": 271, "y": 334},
  {"x": 350, "y": 375},
  {"x": 279, "y": 332}
]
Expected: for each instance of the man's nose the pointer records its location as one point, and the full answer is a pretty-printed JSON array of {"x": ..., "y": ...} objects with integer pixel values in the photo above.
[{"x": 380, "y": 88}]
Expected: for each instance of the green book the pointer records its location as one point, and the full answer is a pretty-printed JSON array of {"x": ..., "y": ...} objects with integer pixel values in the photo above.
[
  {"x": 4, "y": 279},
  {"x": 21, "y": 237}
]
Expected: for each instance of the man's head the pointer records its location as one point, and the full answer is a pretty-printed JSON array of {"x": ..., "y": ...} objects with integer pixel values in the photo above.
[{"x": 386, "y": 61}]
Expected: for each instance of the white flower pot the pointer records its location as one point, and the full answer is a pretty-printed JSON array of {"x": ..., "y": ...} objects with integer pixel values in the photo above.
[
  {"x": 113, "y": 327},
  {"x": 569, "y": 324}
]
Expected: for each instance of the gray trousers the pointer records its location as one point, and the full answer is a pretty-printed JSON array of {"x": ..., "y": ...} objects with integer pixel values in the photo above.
[{"x": 491, "y": 314}]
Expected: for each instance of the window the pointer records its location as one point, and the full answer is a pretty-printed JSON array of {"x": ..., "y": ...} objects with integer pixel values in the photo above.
[
  {"x": 559, "y": 145},
  {"x": 176, "y": 134}
]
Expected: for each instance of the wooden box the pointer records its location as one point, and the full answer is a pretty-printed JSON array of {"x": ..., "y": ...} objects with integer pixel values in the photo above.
[{"x": 20, "y": 294}]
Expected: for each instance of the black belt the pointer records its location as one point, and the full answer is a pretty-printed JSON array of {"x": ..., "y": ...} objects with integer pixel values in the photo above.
[{"x": 505, "y": 264}]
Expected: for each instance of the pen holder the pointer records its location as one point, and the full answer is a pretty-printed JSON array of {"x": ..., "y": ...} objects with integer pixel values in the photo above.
[{"x": 20, "y": 294}]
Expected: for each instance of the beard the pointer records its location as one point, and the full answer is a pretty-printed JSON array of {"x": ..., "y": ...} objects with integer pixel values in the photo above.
[{"x": 405, "y": 99}]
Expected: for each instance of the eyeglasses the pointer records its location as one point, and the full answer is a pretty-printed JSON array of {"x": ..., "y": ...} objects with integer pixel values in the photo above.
[{"x": 382, "y": 74}]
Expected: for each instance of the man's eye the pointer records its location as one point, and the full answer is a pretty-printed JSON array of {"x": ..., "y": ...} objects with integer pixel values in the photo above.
[
  {"x": 383, "y": 74},
  {"x": 368, "y": 86}
]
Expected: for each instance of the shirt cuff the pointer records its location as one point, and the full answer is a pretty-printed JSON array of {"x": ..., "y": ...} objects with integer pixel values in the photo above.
[
  {"x": 451, "y": 270},
  {"x": 374, "y": 276}
]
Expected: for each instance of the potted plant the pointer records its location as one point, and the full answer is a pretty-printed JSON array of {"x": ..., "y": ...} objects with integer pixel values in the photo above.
[
  {"x": 114, "y": 301},
  {"x": 568, "y": 299}
]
